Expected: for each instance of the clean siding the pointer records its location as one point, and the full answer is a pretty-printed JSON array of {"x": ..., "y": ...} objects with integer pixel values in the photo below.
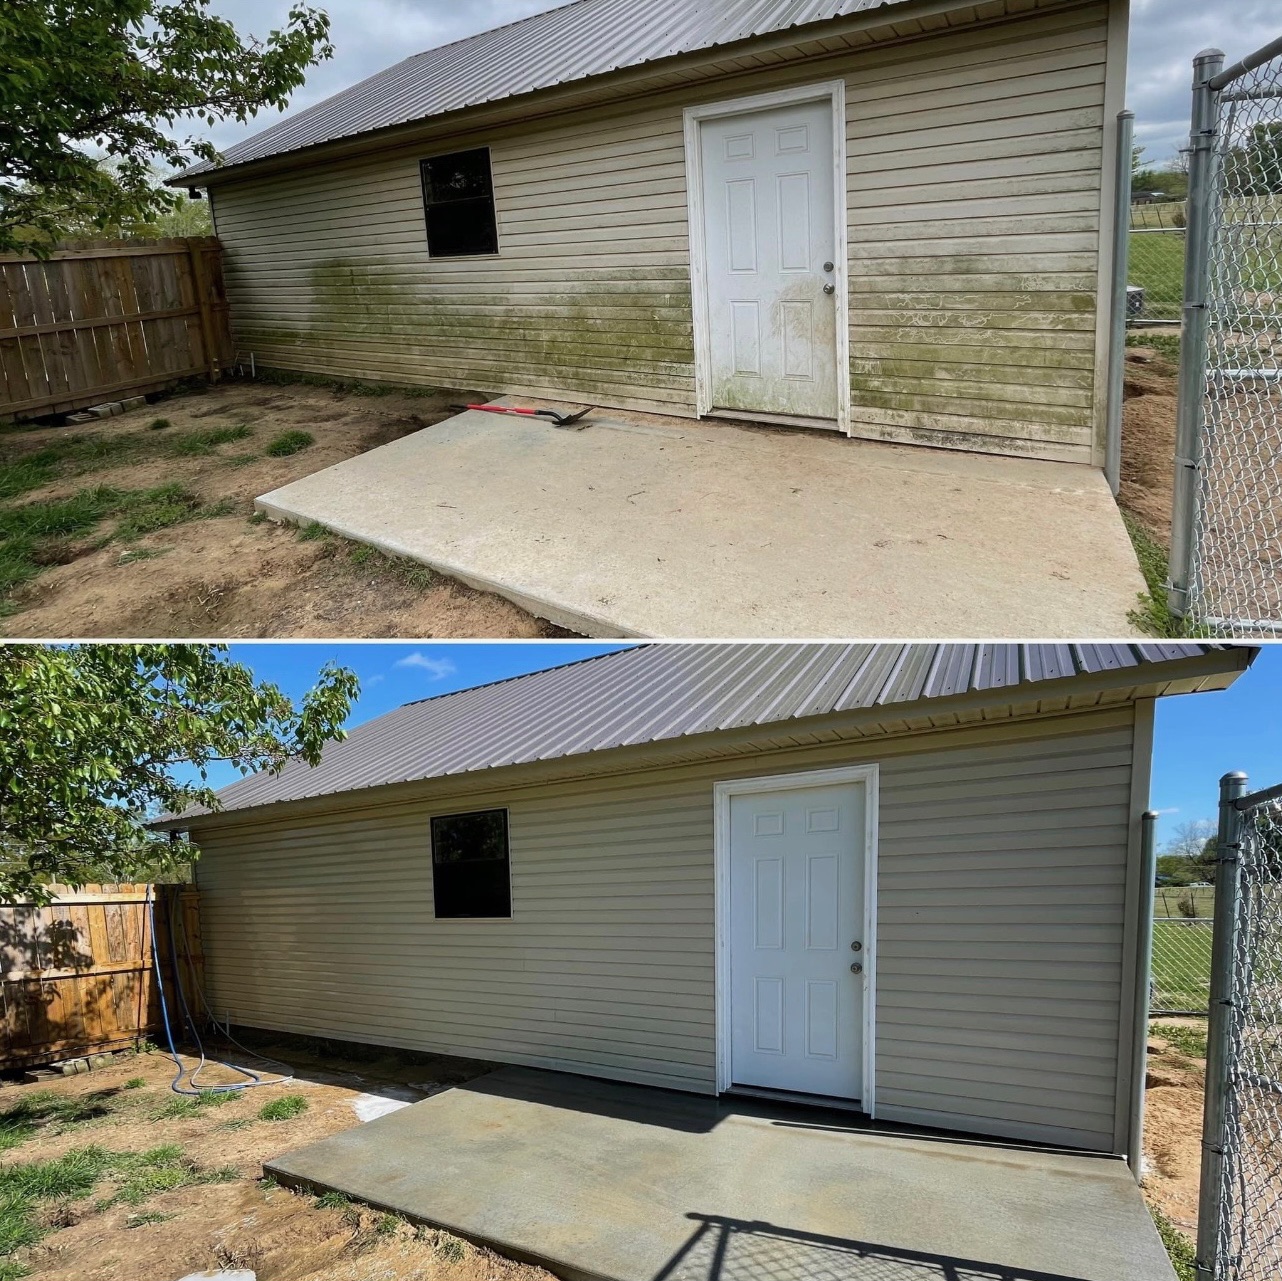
[
  {"x": 974, "y": 171},
  {"x": 1002, "y": 863}
]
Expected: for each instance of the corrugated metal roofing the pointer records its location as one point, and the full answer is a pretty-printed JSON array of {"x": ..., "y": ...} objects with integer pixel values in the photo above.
[
  {"x": 586, "y": 38},
  {"x": 663, "y": 692}
]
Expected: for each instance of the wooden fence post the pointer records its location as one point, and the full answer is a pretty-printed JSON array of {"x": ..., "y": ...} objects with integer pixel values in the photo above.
[{"x": 200, "y": 281}]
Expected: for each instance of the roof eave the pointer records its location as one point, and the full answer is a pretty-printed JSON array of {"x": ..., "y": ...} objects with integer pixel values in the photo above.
[
  {"x": 579, "y": 92},
  {"x": 1215, "y": 670}
]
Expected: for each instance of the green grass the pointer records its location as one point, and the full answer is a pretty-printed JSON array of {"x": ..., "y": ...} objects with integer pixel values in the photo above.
[
  {"x": 146, "y": 1217},
  {"x": 1183, "y": 1254},
  {"x": 1166, "y": 345},
  {"x": 1167, "y": 900},
  {"x": 451, "y": 1250},
  {"x": 189, "y": 1105},
  {"x": 290, "y": 442},
  {"x": 196, "y": 443},
  {"x": 1187, "y": 1040},
  {"x": 1181, "y": 965},
  {"x": 42, "y": 1109},
  {"x": 283, "y": 1109},
  {"x": 1157, "y": 266},
  {"x": 26, "y": 1186},
  {"x": 332, "y": 1201},
  {"x": 135, "y": 1083},
  {"x": 1153, "y": 614},
  {"x": 312, "y": 532},
  {"x": 159, "y": 424}
]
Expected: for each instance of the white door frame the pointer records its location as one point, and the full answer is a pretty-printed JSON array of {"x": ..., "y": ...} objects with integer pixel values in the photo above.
[
  {"x": 722, "y": 792},
  {"x": 834, "y": 91}
]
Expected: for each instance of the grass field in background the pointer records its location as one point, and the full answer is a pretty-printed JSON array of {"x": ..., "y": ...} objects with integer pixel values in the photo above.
[
  {"x": 1181, "y": 964},
  {"x": 1166, "y": 902},
  {"x": 1157, "y": 266}
]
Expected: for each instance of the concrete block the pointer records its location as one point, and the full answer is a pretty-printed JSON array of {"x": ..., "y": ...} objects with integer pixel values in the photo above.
[
  {"x": 108, "y": 410},
  {"x": 100, "y": 1060},
  {"x": 82, "y": 417},
  {"x": 132, "y": 402},
  {"x": 39, "y": 1075}
]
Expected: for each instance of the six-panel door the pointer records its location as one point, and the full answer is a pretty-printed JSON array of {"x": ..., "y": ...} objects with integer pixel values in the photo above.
[
  {"x": 796, "y": 910},
  {"x": 770, "y": 248}
]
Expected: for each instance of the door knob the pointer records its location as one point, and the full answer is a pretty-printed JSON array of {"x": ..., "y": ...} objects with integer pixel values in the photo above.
[
  {"x": 830, "y": 289},
  {"x": 856, "y": 968}
]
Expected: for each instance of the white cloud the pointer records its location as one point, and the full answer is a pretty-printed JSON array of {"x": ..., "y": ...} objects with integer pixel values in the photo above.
[
  {"x": 377, "y": 679},
  {"x": 1175, "y": 809},
  {"x": 436, "y": 668}
]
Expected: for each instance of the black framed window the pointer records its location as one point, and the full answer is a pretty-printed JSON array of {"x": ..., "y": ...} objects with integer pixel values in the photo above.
[
  {"x": 458, "y": 196},
  {"x": 470, "y": 864}
]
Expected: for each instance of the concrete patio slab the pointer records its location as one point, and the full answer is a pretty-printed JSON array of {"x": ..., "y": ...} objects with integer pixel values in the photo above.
[
  {"x": 642, "y": 526},
  {"x": 597, "y": 1180}
]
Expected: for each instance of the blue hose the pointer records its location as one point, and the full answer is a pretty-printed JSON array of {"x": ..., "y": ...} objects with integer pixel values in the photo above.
[{"x": 177, "y": 1085}]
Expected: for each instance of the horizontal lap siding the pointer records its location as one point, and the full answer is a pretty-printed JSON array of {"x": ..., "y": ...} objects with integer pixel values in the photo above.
[
  {"x": 974, "y": 207},
  {"x": 1002, "y": 869},
  {"x": 973, "y": 198},
  {"x": 589, "y": 295}
]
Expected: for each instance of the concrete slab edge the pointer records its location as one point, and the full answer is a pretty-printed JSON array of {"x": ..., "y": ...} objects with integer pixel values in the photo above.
[
  {"x": 560, "y": 614},
  {"x": 558, "y": 1267}
]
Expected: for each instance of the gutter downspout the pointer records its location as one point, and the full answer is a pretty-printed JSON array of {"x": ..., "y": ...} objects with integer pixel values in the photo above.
[{"x": 1143, "y": 980}]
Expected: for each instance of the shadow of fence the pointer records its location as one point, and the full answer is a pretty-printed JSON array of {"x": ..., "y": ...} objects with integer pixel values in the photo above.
[{"x": 722, "y": 1249}]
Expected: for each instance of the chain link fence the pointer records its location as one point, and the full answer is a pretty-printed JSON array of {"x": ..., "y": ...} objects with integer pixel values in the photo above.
[
  {"x": 1155, "y": 274},
  {"x": 1240, "y": 1217},
  {"x": 1181, "y": 969},
  {"x": 1227, "y": 530}
]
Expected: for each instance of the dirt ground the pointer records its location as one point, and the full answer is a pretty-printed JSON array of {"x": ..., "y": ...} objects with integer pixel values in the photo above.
[
  {"x": 241, "y": 1222},
  {"x": 1148, "y": 440},
  {"x": 227, "y": 576},
  {"x": 1173, "y": 1128}
]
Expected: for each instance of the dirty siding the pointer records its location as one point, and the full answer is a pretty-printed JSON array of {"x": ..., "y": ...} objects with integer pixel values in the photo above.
[
  {"x": 974, "y": 185},
  {"x": 1001, "y": 888}
]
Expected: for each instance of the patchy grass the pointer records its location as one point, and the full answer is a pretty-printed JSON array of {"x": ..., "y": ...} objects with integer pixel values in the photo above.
[
  {"x": 195, "y": 443},
  {"x": 284, "y": 1108},
  {"x": 45, "y": 1109},
  {"x": 159, "y": 424},
  {"x": 312, "y": 532},
  {"x": 27, "y": 1187},
  {"x": 189, "y": 1105},
  {"x": 1153, "y": 614},
  {"x": 1178, "y": 1246},
  {"x": 146, "y": 1217},
  {"x": 451, "y": 1250},
  {"x": 1187, "y": 1040},
  {"x": 36, "y": 535},
  {"x": 135, "y": 1083},
  {"x": 332, "y": 1201},
  {"x": 290, "y": 442},
  {"x": 1166, "y": 345}
]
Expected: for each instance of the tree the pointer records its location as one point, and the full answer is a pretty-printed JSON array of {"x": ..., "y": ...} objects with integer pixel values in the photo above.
[
  {"x": 114, "y": 77},
  {"x": 1191, "y": 854},
  {"x": 91, "y": 737}
]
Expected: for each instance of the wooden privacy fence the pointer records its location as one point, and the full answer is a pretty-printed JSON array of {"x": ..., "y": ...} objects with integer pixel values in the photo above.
[
  {"x": 109, "y": 318},
  {"x": 78, "y": 975}
]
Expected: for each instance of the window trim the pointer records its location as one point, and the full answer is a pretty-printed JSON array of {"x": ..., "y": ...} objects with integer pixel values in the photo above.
[
  {"x": 494, "y": 204},
  {"x": 431, "y": 853}
]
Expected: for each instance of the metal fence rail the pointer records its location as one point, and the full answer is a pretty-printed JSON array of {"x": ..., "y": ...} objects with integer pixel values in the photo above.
[
  {"x": 1226, "y": 552},
  {"x": 1240, "y": 1214}
]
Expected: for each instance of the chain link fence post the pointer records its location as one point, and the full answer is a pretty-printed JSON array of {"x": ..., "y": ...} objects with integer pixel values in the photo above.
[
  {"x": 1117, "y": 333},
  {"x": 1211, "y": 1198},
  {"x": 1194, "y": 345}
]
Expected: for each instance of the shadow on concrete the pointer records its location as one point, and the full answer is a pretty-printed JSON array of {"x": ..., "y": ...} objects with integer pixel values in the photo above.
[{"x": 722, "y": 1249}]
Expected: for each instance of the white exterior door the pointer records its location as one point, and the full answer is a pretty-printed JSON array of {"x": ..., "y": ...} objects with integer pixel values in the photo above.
[
  {"x": 796, "y": 908},
  {"x": 770, "y": 257}
]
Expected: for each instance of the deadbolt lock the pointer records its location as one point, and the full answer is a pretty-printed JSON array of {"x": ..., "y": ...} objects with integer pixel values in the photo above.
[
  {"x": 856, "y": 968},
  {"x": 856, "y": 946},
  {"x": 827, "y": 266}
]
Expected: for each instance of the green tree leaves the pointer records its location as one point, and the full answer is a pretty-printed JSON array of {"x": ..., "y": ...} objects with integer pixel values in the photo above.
[
  {"x": 114, "y": 77},
  {"x": 90, "y": 736}
]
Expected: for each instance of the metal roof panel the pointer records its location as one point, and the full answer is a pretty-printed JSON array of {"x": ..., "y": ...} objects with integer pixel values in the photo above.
[{"x": 657, "y": 693}]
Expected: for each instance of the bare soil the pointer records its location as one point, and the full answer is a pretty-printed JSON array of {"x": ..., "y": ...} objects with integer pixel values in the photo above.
[
  {"x": 241, "y": 1223},
  {"x": 1173, "y": 1097},
  {"x": 1148, "y": 440},
  {"x": 228, "y": 577}
]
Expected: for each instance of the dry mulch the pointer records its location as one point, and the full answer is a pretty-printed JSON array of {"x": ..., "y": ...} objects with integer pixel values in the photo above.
[
  {"x": 242, "y": 1223},
  {"x": 1173, "y": 1099},
  {"x": 228, "y": 577},
  {"x": 1148, "y": 440}
]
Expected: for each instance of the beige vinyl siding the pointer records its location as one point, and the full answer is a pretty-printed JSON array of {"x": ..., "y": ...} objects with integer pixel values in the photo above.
[
  {"x": 1001, "y": 891},
  {"x": 974, "y": 179}
]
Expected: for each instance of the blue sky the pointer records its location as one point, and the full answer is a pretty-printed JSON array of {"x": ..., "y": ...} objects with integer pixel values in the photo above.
[{"x": 1198, "y": 737}]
